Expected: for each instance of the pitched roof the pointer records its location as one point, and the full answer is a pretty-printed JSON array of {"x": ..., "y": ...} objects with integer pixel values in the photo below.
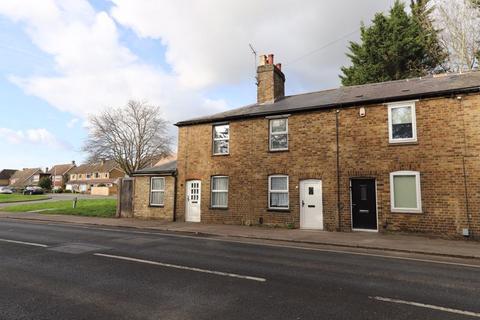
[
  {"x": 61, "y": 169},
  {"x": 106, "y": 166},
  {"x": 165, "y": 168},
  {"x": 21, "y": 176},
  {"x": 425, "y": 87},
  {"x": 7, "y": 173}
]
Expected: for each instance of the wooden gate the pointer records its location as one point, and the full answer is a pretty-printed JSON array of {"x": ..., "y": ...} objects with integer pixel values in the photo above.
[{"x": 125, "y": 198}]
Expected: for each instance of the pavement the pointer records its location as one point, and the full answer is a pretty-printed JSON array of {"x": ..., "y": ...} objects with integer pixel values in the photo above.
[
  {"x": 60, "y": 271},
  {"x": 366, "y": 240}
]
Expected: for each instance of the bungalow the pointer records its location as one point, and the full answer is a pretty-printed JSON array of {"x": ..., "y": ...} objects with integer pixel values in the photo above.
[
  {"x": 392, "y": 156},
  {"x": 104, "y": 173},
  {"x": 5, "y": 176}
]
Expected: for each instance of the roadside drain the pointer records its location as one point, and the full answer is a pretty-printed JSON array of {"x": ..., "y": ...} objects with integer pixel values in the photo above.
[{"x": 78, "y": 248}]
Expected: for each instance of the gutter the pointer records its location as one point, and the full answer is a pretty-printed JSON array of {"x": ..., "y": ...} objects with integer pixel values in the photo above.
[{"x": 444, "y": 93}]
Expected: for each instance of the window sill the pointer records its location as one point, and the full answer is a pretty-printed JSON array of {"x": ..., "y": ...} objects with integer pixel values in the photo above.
[
  {"x": 278, "y": 210},
  {"x": 280, "y": 150},
  {"x": 402, "y": 143},
  {"x": 405, "y": 211},
  {"x": 218, "y": 208},
  {"x": 220, "y": 155},
  {"x": 156, "y": 205}
]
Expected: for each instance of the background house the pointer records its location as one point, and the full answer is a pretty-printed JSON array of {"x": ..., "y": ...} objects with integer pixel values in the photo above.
[
  {"x": 5, "y": 176},
  {"x": 59, "y": 174},
  {"x": 86, "y": 176},
  {"x": 25, "y": 177}
]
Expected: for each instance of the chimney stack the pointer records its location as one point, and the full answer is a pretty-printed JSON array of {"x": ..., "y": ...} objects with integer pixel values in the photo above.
[{"x": 270, "y": 80}]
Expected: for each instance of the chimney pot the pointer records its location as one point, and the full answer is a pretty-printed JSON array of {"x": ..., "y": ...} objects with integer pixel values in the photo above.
[
  {"x": 270, "y": 59},
  {"x": 279, "y": 66},
  {"x": 263, "y": 60},
  {"x": 73, "y": 162}
]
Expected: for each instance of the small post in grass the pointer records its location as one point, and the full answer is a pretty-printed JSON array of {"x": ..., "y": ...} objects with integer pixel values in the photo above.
[{"x": 74, "y": 205}]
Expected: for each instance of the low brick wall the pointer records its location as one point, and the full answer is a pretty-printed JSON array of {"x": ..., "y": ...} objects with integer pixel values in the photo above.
[{"x": 100, "y": 191}]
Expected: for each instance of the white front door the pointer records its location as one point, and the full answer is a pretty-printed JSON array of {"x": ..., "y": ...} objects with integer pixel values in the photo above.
[
  {"x": 192, "y": 213},
  {"x": 311, "y": 208}
]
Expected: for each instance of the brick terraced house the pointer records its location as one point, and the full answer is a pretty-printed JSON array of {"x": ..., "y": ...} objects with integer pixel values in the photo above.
[{"x": 392, "y": 156}]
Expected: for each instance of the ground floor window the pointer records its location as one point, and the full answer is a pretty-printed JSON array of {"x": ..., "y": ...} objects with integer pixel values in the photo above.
[
  {"x": 157, "y": 191},
  {"x": 219, "y": 192},
  {"x": 278, "y": 192},
  {"x": 405, "y": 192}
]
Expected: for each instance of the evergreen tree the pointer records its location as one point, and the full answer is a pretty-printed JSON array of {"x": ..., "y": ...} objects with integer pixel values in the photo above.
[{"x": 397, "y": 46}]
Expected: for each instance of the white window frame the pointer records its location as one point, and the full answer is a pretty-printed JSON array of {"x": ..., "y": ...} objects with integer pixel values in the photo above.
[
  {"x": 418, "y": 209},
  {"x": 411, "y": 105},
  {"x": 157, "y": 190},
  {"x": 215, "y": 191},
  {"x": 270, "y": 121},
  {"x": 270, "y": 191},
  {"x": 220, "y": 139}
]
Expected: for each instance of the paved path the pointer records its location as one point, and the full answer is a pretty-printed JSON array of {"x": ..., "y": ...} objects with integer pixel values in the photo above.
[
  {"x": 395, "y": 242},
  {"x": 87, "y": 272}
]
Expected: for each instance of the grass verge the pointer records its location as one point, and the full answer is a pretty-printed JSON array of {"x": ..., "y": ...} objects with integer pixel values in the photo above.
[
  {"x": 20, "y": 197},
  {"x": 105, "y": 208}
]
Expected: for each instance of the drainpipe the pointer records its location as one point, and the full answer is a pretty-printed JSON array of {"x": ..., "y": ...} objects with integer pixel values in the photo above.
[
  {"x": 338, "y": 172},
  {"x": 465, "y": 182},
  {"x": 175, "y": 197}
]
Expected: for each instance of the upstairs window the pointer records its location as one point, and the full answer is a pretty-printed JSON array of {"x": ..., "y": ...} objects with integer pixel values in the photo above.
[
  {"x": 278, "y": 134},
  {"x": 278, "y": 192},
  {"x": 405, "y": 193},
  {"x": 402, "y": 125},
  {"x": 219, "y": 192},
  {"x": 157, "y": 191},
  {"x": 221, "y": 136}
]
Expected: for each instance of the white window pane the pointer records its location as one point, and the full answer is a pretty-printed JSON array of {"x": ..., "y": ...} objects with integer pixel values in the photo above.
[
  {"x": 158, "y": 184},
  {"x": 219, "y": 183},
  {"x": 279, "y": 141},
  {"x": 405, "y": 191},
  {"x": 278, "y": 125},
  {"x": 401, "y": 115},
  {"x": 279, "y": 183},
  {"x": 220, "y": 147},
  {"x": 278, "y": 200},
  {"x": 219, "y": 199},
  {"x": 157, "y": 197},
  {"x": 221, "y": 132}
]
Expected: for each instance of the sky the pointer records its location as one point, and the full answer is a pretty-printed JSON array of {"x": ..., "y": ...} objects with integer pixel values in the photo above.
[{"x": 62, "y": 61}]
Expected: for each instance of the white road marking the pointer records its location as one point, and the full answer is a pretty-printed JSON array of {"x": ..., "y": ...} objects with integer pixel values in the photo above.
[
  {"x": 299, "y": 247},
  {"x": 168, "y": 265},
  {"x": 428, "y": 306},
  {"x": 25, "y": 243}
]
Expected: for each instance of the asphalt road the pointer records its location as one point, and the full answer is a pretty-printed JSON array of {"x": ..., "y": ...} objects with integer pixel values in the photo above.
[{"x": 75, "y": 272}]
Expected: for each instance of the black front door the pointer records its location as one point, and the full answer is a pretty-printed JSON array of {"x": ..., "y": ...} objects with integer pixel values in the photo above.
[{"x": 364, "y": 204}]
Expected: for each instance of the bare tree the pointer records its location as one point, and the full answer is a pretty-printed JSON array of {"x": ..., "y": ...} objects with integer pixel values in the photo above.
[
  {"x": 459, "y": 21},
  {"x": 135, "y": 136}
]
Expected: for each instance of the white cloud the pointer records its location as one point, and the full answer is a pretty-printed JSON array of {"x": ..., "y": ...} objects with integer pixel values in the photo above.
[
  {"x": 207, "y": 40},
  {"x": 93, "y": 69},
  {"x": 39, "y": 136}
]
